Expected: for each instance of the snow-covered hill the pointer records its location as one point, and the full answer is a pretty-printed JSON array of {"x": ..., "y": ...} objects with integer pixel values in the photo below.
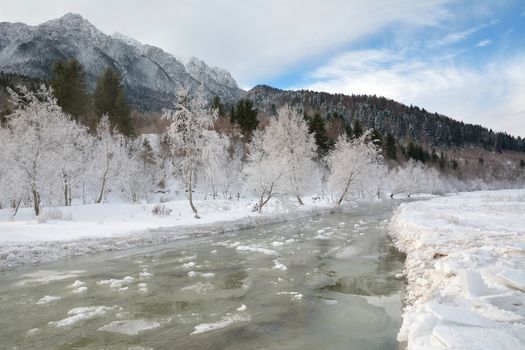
[{"x": 151, "y": 75}]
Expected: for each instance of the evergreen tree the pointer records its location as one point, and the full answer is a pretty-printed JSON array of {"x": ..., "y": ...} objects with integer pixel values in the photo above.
[
  {"x": 357, "y": 129},
  {"x": 109, "y": 98},
  {"x": 376, "y": 137},
  {"x": 442, "y": 161},
  {"x": 317, "y": 126},
  {"x": 218, "y": 105},
  {"x": 522, "y": 163},
  {"x": 390, "y": 146},
  {"x": 244, "y": 115},
  {"x": 434, "y": 158},
  {"x": 69, "y": 88}
]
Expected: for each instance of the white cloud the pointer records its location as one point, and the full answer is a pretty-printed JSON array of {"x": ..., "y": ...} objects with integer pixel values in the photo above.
[
  {"x": 483, "y": 43},
  {"x": 252, "y": 39},
  {"x": 453, "y": 38},
  {"x": 491, "y": 96}
]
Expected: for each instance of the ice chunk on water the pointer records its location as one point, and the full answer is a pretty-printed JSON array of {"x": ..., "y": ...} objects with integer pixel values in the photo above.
[
  {"x": 256, "y": 249},
  {"x": 80, "y": 290},
  {"x": 223, "y": 322},
  {"x": 242, "y": 308},
  {"x": 279, "y": 266},
  {"x": 47, "y": 299},
  {"x": 188, "y": 265},
  {"x": 473, "y": 284},
  {"x": 33, "y": 331},
  {"x": 77, "y": 284},
  {"x": 129, "y": 327},
  {"x": 79, "y": 314},
  {"x": 116, "y": 283},
  {"x": 46, "y": 276},
  {"x": 292, "y": 295},
  {"x": 143, "y": 287}
]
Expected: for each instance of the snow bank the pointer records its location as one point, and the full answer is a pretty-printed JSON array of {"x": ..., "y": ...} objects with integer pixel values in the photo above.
[
  {"x": 465, "y": 269},
  {"x": 104, "y": 227}
]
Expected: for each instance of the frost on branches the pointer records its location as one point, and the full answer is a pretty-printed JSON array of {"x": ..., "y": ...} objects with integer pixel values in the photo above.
[
  {"x": 353, "y": 165},
  {"x": 281, "y": 159},
  {"x": 43, "y": 150},
  {"x": 48, "y": 159},
  {"x": 189, "y": 135}
]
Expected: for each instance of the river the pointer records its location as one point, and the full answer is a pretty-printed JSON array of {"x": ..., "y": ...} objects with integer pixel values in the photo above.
[{"x": 325, "y": 282}]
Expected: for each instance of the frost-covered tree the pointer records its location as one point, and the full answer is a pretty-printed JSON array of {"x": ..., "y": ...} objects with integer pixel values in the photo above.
[
  {"x": 215, "y": 162},
  {"x": 110, "y": 156},
  {"x": 188, "y": 134},
  {"x": 409, "y": 178},
  {"x": 281, "y": 158},
  {"x": 263, "y": 169},
  {"x": 43, "y": 142},
  {"x": 352, "y": 164},
  {"x": 291, "y": 141}
]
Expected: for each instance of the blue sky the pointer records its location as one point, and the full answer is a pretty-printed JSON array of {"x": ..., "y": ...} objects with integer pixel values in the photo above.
[{"x": 461, "y": 58}]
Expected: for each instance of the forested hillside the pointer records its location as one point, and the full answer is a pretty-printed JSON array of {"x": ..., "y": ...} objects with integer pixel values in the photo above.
[{"x": 408, "y": 123}]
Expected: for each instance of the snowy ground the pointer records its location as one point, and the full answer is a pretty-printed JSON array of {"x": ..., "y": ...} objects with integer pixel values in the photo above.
[
  {"x": 465, "y": 269},
  {"x": 102, "y": 227}
]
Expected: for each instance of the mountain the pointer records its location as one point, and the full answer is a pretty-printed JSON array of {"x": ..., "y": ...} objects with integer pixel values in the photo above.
[
  {"x": 151, "y": 76},
  {"x": 407, "y": 123}
]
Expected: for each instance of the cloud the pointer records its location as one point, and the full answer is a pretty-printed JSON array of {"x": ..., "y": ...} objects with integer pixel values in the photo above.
[
  {"x": 491, "y": 95},
  {"x": 254, "y": 40},
  {"x": 483, "y": 43},
  {"x": 453, "y": 38}
]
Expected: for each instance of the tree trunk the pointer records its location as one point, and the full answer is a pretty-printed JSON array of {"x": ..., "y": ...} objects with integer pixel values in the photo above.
[
  {"x": 300, "y": 200},
  {"x": 17, "y": 206},
  {"x": 190, "y": 198},
  {"x": 102, "y": 187},
  {"x": 36, "y": 201},
  {"x": 65, "y": 192}
]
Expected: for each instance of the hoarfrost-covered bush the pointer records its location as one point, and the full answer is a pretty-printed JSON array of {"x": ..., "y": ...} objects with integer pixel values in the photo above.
[
  {"x": 161, "y": 210},
  {"x": 53, "y": 214},
  {"x": 352, "y": 165}
]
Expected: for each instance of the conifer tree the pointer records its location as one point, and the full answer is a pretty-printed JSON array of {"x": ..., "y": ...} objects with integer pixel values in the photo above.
[
  {"x": 244, "y": 115},
  {"x": 390, "y": 146},
  {"x": 69, "y": 88},
  {"x": 109, "y": 98},
  {"x": 317, "y": 126},
  {"x": 357, "y": 129}
]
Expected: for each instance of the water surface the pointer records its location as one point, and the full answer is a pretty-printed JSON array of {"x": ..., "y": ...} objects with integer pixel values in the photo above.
[{"x": 321, "y": 283}]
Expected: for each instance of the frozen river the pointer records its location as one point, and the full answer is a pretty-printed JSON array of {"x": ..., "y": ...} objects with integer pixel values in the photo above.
[{"x": 321, "y": 283}]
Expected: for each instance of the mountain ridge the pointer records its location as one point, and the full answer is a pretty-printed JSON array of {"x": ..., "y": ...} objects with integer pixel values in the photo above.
[{"x": 152, "y": 77}]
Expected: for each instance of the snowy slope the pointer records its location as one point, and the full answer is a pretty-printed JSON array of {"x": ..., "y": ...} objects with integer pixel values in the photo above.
[
  {"x": 99, "y": 227},
  {"x": 152, "y": 76},
  {"x": 465, "y": 269}
]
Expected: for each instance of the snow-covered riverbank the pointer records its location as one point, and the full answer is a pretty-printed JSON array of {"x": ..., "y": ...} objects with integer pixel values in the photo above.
[
  {"x": 101, "y": 227},
  {"x": 465, "y": 269}
]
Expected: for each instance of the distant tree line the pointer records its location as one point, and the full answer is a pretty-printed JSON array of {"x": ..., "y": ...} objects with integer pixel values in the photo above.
[{"x": 408, "y": 123}]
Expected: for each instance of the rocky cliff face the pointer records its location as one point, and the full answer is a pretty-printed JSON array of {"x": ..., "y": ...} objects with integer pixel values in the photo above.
[{"x": 152, "y": 76}]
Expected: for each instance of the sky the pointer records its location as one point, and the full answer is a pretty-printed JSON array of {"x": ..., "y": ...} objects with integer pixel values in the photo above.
[{"x": 461, "y": 58}]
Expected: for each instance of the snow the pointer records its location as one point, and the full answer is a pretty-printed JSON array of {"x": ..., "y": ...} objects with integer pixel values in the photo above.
[
  {"x": 464, "y": 269},
  {"x": 112, "y": 226}
]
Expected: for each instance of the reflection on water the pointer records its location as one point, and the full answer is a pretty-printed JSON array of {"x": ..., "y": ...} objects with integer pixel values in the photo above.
[{"x": 322, "y": 283}]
